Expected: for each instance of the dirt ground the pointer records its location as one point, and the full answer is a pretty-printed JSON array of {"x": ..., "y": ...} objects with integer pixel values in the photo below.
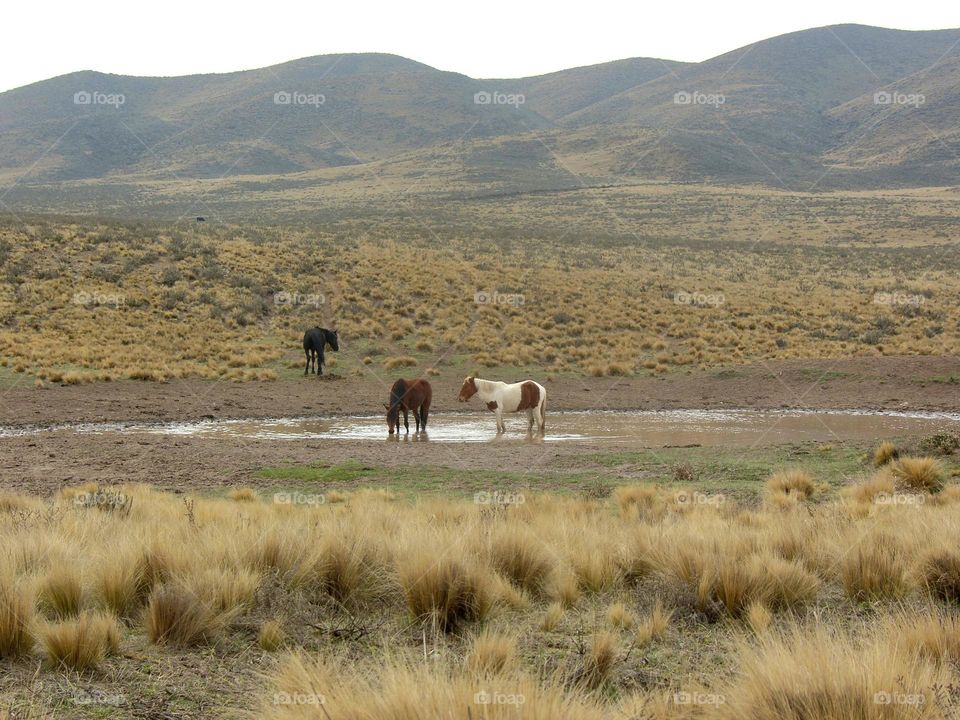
[{"x": 43, "y": 462}]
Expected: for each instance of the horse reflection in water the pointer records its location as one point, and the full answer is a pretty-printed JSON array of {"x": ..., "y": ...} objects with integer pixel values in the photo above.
[{"x": 421, "y": 436}]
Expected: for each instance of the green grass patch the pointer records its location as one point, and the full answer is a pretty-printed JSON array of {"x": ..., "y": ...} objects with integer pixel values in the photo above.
[
  {"x": 413, "y": 480},
  {"x": 727, "y": 374},
  {"x": 344, "y": 473},
  {"x": 939, "y": 379},
  {"x": 737, "y": 471}
]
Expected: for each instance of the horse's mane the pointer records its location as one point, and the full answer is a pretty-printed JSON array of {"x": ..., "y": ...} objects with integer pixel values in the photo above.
[
  {"x": 397, "y": 392},
  {"x": 480, "y": 382}
]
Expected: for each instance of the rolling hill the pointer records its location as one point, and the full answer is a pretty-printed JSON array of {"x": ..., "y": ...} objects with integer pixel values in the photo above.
[{"x": 795, "y": 111}]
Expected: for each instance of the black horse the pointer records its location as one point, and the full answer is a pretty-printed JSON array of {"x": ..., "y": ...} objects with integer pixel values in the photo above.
[{"x": 314, "y": 342}]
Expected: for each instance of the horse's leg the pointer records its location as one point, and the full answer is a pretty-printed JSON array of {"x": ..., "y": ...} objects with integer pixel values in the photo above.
[
  {"x": 529, "y": 420},
  {"x": 416, "y": 417},
  {"x": 406, "y": 419},
  {"x": 424, "y": 411},
  {"x": 500, "y": 426},
  {"x": 320, "y": 360},
  {"x": 306, "y": 369}
]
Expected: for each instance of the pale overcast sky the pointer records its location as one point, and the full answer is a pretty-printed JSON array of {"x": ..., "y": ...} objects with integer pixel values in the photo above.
[{"x": 488, "y": 39}]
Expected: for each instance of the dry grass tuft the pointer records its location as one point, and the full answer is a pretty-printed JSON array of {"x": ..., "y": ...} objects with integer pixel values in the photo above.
[
  {"x": 935, "y": 636},
  {"x": 729, "y": 575},
  {"x": 225, "y": 591},
  {"x": 619, "y": 616},
  {"x": 391, "y": 363},
  {"x": 758, "y": 617},
  {"x": 793, "y": 484},
  {"x": 243, "y": 494},
  {"x": 595, "y": 563},
  {"x": 399, "y": 690},
  {"x": 939, "y": 573},
  {"x": 520, "y": 555},
  {"x": 60, "y": 593},
  {"x": 654, "y": 626},
  {"x": 271, "y": 636},
  {"x": 351, "y": 570},
  {"x": 81, "y": 643},
  {"x": 884, "y": 453},
  {"x": 449, "y": 592},
  {"x": 16, "y": 619},
  {"x": 119, "y": 583},
  {"x": 640, "y": 501},
  {"x": 599, "y": 660},
  {"x": 175, "y": 616},
  {"x": 820, "y": 674},
  {"x": 879, "y": 485},
  {"x": 564, "y": 588},
  {"x": 875, "y": 568},
  {"x": 491, "y": 653},
  {"x": 919, "y": 473},
  {"x": 552, "y": 617}
]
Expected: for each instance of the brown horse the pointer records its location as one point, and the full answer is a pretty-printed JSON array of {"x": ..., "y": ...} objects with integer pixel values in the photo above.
[{"x": 407, "y": 395}]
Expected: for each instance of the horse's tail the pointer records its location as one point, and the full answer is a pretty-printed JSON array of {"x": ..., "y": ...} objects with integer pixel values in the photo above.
[{"x": 543, "y": 410}]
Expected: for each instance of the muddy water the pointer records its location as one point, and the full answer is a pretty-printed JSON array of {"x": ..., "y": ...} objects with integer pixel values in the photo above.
[{"x": 744, "y": 428}]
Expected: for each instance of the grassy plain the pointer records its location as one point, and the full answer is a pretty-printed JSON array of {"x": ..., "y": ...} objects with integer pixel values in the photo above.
[
  {"x": 87, "y": 301},
  {"x": 818, "y": 582}
]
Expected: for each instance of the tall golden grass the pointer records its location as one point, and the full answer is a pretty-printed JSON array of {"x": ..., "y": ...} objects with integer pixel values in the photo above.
[{"x": 551, "y": 599}]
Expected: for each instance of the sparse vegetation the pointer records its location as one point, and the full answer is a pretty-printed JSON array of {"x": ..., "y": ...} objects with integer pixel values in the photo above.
[
  {"x": 230, "y": 325},
  {"x": 554, "y": 596}
]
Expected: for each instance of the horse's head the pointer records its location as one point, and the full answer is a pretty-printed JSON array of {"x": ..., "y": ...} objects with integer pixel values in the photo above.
[
  {"x": 333, "y": 339},
  {"x": 468, "y": 389},
  {"x": 393, "y": 417}
]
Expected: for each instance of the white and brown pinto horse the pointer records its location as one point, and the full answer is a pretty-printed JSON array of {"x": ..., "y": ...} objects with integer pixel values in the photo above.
[{"x": 501, "y": 397}]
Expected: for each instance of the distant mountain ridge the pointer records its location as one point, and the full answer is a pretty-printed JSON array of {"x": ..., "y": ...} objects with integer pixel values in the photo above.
[{"x": 799, "y": 110}]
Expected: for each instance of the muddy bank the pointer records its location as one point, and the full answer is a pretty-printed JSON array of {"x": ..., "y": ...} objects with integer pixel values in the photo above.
[{"x": 901, "y": 383}]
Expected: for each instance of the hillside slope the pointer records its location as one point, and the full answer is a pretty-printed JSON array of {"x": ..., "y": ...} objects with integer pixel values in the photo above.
[{"x": 795, "y": 111}]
